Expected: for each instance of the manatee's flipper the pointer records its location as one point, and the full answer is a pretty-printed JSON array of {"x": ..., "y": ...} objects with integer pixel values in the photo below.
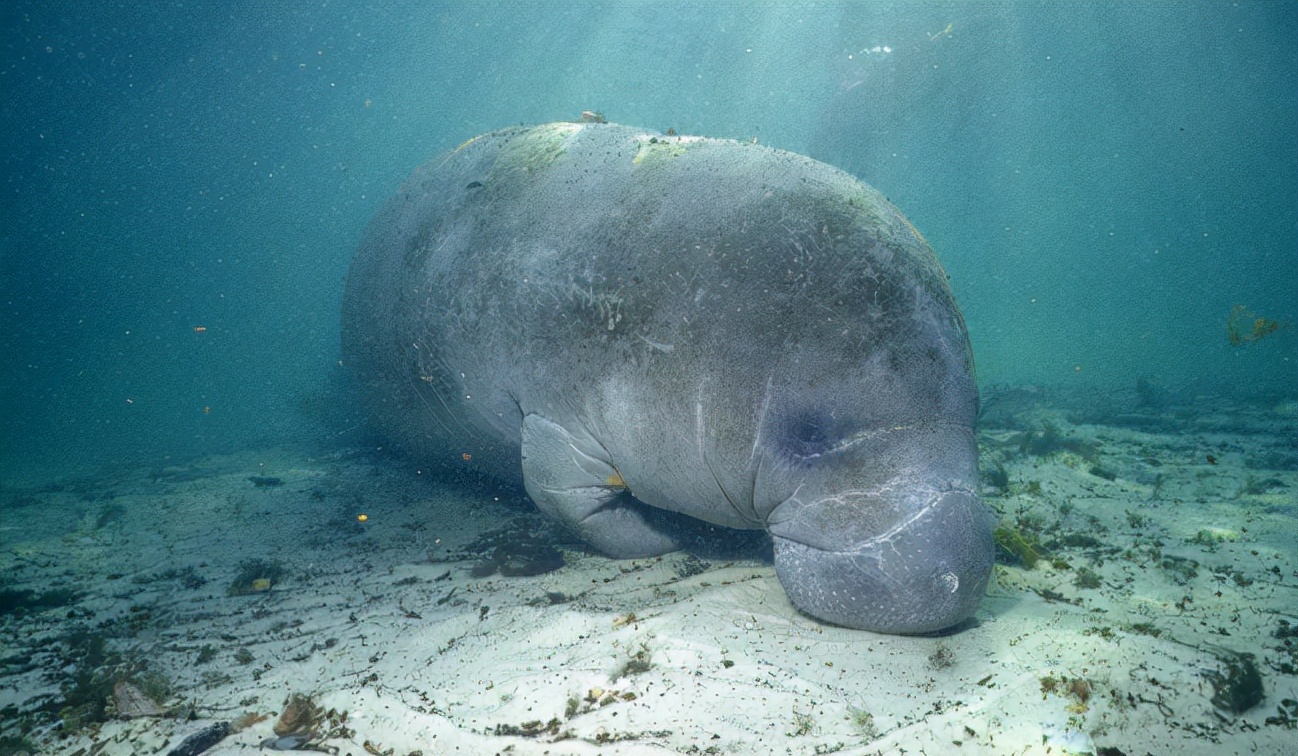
[{"x": 572, "y": 479}]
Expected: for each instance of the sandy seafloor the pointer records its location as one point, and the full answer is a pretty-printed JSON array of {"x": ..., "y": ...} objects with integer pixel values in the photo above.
[{"x": 1165, "y": 537}]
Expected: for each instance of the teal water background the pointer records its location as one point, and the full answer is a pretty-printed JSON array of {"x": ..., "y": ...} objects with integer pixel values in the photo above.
[{"x": 1103, "y": 182}]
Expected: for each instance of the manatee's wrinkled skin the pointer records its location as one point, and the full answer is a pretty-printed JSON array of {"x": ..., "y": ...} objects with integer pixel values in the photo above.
[{"x": 718, "y": 329}]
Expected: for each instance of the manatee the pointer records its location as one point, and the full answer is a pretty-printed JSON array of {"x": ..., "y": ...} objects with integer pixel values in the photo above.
[{"x": 636, "y": 324}]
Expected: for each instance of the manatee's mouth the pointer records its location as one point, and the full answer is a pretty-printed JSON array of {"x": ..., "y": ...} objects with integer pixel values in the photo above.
[{"x": 923, "y": 574}]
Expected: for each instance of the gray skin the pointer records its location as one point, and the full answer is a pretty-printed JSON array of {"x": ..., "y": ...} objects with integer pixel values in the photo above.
[{"x": 631, "y": 321}]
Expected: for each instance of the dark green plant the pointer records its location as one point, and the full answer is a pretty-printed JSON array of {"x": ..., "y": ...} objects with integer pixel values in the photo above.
[
  {"x": 998, "y": 477},
  {"x": 256, "y": 576},
  {"x": 1236, "y": 681},
  {"x": 639, "y": 663},
  {"x": 863, "y": 721},
  {"x": 1012, "y": 547},
  {"x": 1048, "y": 442},
  {"x": 803, "y": 724},
  {"x": 1145, "y": 628},
  {"x": 1086, "y": 579}
]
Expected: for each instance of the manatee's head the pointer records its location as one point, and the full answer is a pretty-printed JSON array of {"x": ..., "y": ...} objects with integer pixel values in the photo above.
[
  {"x": 868, "y": 478},
  {"x": 864, "y": 462},
  {"x": 908, "y": 552}
]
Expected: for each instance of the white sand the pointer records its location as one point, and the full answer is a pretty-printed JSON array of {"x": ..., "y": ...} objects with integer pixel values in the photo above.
[{"x": 372, "y": 620}]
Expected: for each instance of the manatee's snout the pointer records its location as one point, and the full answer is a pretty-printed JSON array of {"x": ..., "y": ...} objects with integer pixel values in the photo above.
[{"x": 925, "y": 574}]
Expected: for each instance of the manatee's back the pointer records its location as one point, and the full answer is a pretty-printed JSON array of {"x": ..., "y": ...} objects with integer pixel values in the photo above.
[
  {"x": 471, "y": 298},
  {"x": 394, "y": 302},
  {"x": 585, "y": 271}
]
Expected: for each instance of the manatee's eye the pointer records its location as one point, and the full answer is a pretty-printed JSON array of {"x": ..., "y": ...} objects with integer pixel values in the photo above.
[{"x": 808, "y": 435}]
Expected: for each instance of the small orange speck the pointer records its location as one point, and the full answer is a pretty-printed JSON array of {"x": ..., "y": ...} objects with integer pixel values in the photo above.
[
  {"x": 466, "y": 456},
  {"x": 200, "y": 329},
  {"x": 362, "y": 518}
]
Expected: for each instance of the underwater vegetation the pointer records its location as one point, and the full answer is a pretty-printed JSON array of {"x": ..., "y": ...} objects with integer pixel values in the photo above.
[
  {"x": 1236, "y": 681},
  {"x": 638, "y": 663},
  {"x": 1086, "y": 578},
  {"x": 256, "y": 576},
  {"x": 22, "y": 601},
  {"x": 1243, "y": 327},
  {"x": 1286, "y": 714},
  {"x": 1078, "y": 689},
  {"x": 1048, "y": 442},
  {"x": 303, "y": 724},
  {"x": 301, "y": 716},
  {"x": 97, "y": 684},
  {"x": 863, "y": 721},
  {"x": 997, "y": 476},
  {"x": 1254, "y": 487},
  {"x": 1013, "y": 547},
  {"x": 595, "y": 698},
  {"x": 17, "y": 746}
]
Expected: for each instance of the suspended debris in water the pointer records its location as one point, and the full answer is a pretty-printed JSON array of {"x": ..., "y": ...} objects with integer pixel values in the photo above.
[{"x": 1243, "y": 326}]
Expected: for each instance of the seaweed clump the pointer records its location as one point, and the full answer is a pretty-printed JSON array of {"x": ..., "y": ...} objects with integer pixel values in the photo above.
[
  {"x": 301, "y": 716},
  {"x": 256, "y": 576},
  {"x": 1286, "y": 715},
  {"x": 1243, "y": 327},
  {"x": 304, "y": 724},
  {"x": 1236, "y": 681},
  {"x": 1017, "y": 548},
  {"x": 22, "y": 601},
  {"x": 530, "y": 729},
  {"x": 1079, "y": 689},
  {"x": 101, "y": 684},
  {"x": 1048, "y": 442},
  {"x": 637, "y": 664},
  {"x": 997, "y": 477},
  {"x": 1087, "y": 579}
]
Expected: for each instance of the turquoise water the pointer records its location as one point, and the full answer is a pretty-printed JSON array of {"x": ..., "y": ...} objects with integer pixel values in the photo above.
[
  {"x": 184, "y": 185},
  {"x": 1111, "y": 187}
]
